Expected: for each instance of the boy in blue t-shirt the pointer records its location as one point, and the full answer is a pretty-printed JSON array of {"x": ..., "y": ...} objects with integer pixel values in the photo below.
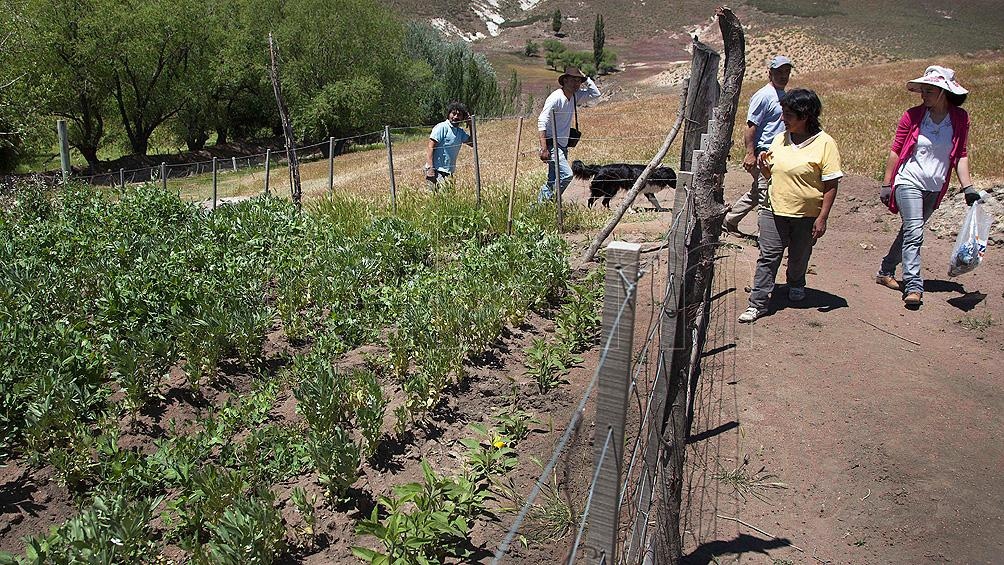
[{"x": 444, "y": 145}]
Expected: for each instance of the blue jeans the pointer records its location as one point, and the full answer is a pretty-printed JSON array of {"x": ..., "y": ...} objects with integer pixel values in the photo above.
[
  {"x": 564, "y": 171},
  {"x": 776, "y": 234},
  {"x": 915, "y": 207}
]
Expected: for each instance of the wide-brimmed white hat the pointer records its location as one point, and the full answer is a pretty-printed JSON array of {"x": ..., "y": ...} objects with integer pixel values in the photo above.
[{"x": 942, "y": 77}]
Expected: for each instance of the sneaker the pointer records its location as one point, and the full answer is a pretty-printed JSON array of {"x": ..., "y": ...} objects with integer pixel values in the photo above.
[
  {"x": 750, "y": 315},
  {"x": 913, "y": 298},
  {"x": 887, "y": 281},
  {"x": 796, "y": 293}
]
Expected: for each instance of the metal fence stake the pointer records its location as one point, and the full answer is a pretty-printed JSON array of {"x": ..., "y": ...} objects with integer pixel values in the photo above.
[
  {"x": 390, "y": 168},
  {"x": 331, "y": 164},
  {"x": 215, "y": 172}
]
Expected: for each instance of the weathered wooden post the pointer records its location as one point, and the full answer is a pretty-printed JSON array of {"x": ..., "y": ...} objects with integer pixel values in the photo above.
[
  {"x": 709, "y": 211},
  {"x": 64, "y": 149},
  {"x": 515, "y": 168},
  {"x": 287, "y": 126},
  {"x": 234, "y": 162},
  {"x": 163, "y": 175},
  {"x": 477, "y": 161},
  {"x": 619, "y": 302},
  {"x": 390, "y": 168},
  {"x": 701, "y": 99},
  {"x": 669, "y": 323},
  {"x": 122, "y": 177}
]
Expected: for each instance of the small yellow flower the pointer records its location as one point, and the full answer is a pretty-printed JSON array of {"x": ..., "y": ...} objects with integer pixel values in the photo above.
[{"x": 499, "y": 443}]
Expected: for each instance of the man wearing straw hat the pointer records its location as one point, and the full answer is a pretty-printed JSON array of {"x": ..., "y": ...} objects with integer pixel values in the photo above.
[
  {"x": 575, "y": 88},
  {"x": 763, "y": 122},
  {"x": 444, "y": 145}
]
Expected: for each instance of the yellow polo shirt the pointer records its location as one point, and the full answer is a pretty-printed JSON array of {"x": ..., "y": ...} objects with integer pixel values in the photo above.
[{"x": 797, "y": 174}]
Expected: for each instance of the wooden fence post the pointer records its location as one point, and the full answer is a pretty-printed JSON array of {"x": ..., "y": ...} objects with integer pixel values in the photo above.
[
  {"x": 477, "y": 161},
  {"x": 122, "y": 177},
  {"x": 287, "y": 126},
  {"x": 515, "y": 167},
  {"x": 619, "y": 302},
  {"x": 331, "y": 164},
  {"x": 215, "y": 171},
  {"x": 668, "y": 324},
  {"x": 163, "y": 175},
  {"x": 556, "y": 157},
  {"x": 64, "y": 149},
  {"x": 390, "y": 168},
  {"x": 234, "y": 162},
  {"x": 701, "y": 99}
]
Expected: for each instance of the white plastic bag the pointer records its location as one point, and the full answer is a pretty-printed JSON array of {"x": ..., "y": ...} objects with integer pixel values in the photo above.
[{"x": 971, "y": 244}]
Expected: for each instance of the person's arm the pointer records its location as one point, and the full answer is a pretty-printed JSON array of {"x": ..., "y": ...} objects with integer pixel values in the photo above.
[
  {"x": 962, "y": 170},
  {"x": 763, "y": 163},
  {"x": 749, "y": 141},
  {"x": 885, "y": 193},
  {"x": 829, "y": 195},
  {"x": 543, "y": 126},
  {"x": 470, "y": 131},
  {"x": 587, "y": 91},
  {"x": 428, "y": 158}
]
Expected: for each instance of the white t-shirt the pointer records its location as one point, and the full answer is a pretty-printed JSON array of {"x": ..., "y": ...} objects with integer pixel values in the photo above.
[{"x": 927, "y": 168}]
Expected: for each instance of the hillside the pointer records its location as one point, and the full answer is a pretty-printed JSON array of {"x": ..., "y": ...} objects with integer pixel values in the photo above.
[{"x": 649, "y": 36}]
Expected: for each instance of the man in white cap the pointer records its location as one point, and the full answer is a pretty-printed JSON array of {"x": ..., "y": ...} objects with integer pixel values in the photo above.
[
  {"x": 763, "y": 122},
  {"x": 575, "y": 88}
]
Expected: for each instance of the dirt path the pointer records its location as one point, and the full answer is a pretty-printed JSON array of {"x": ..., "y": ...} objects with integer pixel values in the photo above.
[{"x": 890, "y": 450}]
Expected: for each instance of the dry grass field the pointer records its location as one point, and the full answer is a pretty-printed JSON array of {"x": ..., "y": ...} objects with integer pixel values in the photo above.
[{"x": 861, "y": 106}]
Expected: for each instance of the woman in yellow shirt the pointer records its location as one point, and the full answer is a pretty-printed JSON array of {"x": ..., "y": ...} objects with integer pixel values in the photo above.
[{"x": 803, "y": 166}]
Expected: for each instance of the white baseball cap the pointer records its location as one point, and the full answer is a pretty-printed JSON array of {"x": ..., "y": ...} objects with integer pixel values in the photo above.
[{"x": 780, "y": 61}]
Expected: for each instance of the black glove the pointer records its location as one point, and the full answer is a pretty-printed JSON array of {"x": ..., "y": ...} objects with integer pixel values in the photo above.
[
  {"x": 885, "y": 194},
  {"x": 971, "y": 194}
]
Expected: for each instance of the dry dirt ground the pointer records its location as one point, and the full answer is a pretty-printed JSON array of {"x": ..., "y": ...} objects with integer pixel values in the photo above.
[{"x": 870, "y": 433}]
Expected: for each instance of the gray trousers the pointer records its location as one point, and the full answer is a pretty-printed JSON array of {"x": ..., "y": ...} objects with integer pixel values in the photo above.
[
  {"x": 747, "y": 202},
  {"x": 915, "y": 207},
  {"x": 776, "y": 234}
]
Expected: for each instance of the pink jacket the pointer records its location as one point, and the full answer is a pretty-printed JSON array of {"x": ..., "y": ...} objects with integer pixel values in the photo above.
[{"x": 906, "y": 139}]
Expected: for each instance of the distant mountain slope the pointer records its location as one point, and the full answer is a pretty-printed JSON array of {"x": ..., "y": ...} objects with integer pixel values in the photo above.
[{"x": 900, "y": 28}]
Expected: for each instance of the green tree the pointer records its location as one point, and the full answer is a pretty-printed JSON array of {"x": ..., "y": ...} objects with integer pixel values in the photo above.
[
  {"x": 153, "y": 68},
  {"x": 599, "y": 38},
  {"x": 70, "y": 66},
  {"x": 458, "y": 73},
  {"x": 556, "y": 21},
  {"x": 229, "y": 91},
  {"x": 338, "y": 80},
  {"x": 531, "y": 48}
]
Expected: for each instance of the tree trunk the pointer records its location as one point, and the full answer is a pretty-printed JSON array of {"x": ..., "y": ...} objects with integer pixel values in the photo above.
[
  {"x": 222, "y": 135},
  {"x": 710, "y": 210}
]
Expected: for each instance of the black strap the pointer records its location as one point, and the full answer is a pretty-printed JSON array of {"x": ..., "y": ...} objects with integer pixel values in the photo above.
[{"x": 575, "y": 110}]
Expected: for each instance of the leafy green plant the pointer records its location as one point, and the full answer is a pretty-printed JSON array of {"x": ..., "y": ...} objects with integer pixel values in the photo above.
[
  {"x": 336, "y": 459},
  {"x": 370, "y": 407},
  {"x": 305, "y": 506},
  {"x": 547, "y": 363},
  {"x": 489, "y": 455},
  {"x": 112, "y": 529},
  {"x": 249, "y": 531},
  {"x": 426, "y": 522},
  {"x": 514, "y": 424}
]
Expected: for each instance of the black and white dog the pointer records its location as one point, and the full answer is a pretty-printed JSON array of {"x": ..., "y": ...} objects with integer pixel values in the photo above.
[{"x": 608, "y": 179}]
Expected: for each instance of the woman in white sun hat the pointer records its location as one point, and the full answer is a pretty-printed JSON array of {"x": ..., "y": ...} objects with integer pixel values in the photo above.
[{"x": 930, "y": 143}]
